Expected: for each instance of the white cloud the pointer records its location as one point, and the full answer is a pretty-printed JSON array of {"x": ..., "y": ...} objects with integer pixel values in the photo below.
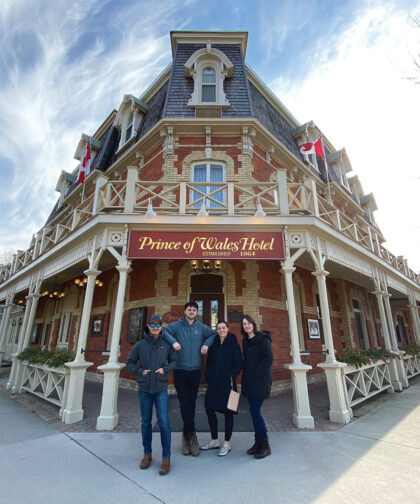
[{"x": 361, "y": 101}]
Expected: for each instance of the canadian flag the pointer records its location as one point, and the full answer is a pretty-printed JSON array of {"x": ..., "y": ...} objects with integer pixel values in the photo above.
[
  {"x": 84, "y": 169},
  {"x": 313, "y": 148}
]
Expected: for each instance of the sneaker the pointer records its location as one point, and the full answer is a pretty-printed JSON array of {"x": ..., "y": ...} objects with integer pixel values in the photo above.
[
  {"x": 224, "y": 450},
  {"x": 211, "y": 445}
]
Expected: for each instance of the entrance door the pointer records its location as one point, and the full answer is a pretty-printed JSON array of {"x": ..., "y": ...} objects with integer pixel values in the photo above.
[
  {"x": 210, "y": 308},
  {"x": 207, "y": 292}
]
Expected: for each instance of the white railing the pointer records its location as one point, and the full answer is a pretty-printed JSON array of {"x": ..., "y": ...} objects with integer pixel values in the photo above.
[
  {"x": 366, "y": 381},
  {"x": 48, "y": 383},
  {"x": 411, "y": 365},
  {"x": 185, "y": 198}
]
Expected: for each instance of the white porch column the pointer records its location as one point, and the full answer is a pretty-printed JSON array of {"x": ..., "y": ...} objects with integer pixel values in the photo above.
[
  {"x": 11, "y": 384},
  {"x": 73, "y": 411},
  {"x": 17, "y": 384},
  {"x": 416, "y": 321},
  {"x": 393, "y": 337},
  {"x": 339, "y": 411},
  {"x": 302, "y": 417},
  {"x": 3, "y": 329},
  {"x": 108, "y": 417},
  {"x": 392, "y": 366}
]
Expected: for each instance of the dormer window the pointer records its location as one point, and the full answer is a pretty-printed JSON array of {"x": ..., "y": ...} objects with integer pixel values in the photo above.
[
  {"x": 208, "y": 67},
  {"x": 208, "y": 89},
  {"x": 129, "y": 128},
  {"x": 129, "y": 117}
]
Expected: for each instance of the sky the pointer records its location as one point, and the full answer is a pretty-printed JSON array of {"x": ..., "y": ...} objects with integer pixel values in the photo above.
[{"x": 346, "y": 65}]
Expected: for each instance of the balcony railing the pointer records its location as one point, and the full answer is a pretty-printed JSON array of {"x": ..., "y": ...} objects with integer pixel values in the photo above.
[
  {"x": 131, "y": 195},
  {"x": 411, "y": 365}
]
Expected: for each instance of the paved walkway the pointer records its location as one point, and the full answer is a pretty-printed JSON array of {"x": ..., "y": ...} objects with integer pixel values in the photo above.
[
  {"x": 277, "y": 410},
  {"x": 375, "y": 459}
]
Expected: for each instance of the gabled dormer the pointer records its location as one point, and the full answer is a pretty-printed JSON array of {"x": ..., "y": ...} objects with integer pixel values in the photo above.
[
  {"x": 129, "y": 117},
  {"x": 368, "y": 203},
  {"x": 340, "y": 163},
  {"x": 64, "y": 183}
]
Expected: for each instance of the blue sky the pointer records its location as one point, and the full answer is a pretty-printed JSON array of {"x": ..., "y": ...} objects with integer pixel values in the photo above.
[{"x": 64, "y": 66}]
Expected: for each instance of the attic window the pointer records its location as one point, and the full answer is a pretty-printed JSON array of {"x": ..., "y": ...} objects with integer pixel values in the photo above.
[
  {"x": 208, "y": 67},
  {"x": 208, "y": 80},
  {"x": 129, "y": 128}
]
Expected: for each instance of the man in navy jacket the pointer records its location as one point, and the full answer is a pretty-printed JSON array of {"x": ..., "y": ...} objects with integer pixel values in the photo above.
[{"x": 191, "y": 339}]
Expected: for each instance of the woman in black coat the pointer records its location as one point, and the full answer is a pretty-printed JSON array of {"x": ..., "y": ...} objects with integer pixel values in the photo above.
[
  {"x": 224, "y": 363},
  {"x": 257, "y": 380}
]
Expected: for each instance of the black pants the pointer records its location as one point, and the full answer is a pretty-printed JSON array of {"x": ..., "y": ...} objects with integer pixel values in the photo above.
[
  {"x": 212, "y": 418},
  {"x": 186, "y": 385}
]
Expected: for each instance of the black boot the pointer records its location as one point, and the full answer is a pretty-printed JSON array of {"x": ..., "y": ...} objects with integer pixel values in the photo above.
[
  {"x": 254, "y": 448},
  {"x": 263, "y": 449}
]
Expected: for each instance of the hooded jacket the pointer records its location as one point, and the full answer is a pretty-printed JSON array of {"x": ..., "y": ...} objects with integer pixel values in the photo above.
[
  {"x": 190, "y": 337},
  {"x": 152, "y": 354},
  {"x": 258, "y": 358}
]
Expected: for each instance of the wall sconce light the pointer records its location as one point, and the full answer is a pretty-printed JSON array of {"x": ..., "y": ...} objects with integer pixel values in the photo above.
[
  {"x": 203, "y": 212},
  {"x": 259, "y": 211},
  {"x": 206, "y": 266},
  {"x": 150, "y": 213}
]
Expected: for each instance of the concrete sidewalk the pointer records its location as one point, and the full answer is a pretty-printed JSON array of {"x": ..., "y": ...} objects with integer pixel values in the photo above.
[{"x": 375, "y": 459}]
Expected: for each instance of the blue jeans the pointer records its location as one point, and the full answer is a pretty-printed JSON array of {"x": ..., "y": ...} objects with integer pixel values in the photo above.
[
  {"x": 257, "y": 419},
  {"x": 160, "y": 400}
]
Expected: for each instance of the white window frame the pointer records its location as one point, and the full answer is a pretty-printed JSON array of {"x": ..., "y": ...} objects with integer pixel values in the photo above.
[
  {"x": 64, "y": 331},
  {"x": 129, "y": 127},
  {"x": 208, "y": 181},
  {"x": 362, "y": 321},
  {"x": 212, "y": 84}
]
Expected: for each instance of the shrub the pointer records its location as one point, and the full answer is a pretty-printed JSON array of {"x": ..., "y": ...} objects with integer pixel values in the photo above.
[
  {"x": 411, "y": 348},
  {"x": 358, "y": 358},
  {"x": 55, "y": 358}
]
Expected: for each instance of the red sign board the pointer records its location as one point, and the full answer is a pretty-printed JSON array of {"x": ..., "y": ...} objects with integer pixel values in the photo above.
[{"x": 196, "y": 245}]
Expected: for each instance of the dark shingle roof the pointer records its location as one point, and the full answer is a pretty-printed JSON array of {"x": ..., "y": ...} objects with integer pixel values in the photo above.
[
  {"x": 155, "y": 106},
  {"x": 276, "y": 124}
]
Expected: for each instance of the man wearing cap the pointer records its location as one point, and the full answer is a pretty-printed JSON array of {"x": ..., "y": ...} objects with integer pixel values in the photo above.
[
  {"x": 151, "y": 359},
  {"x": 190, "y": 338}
]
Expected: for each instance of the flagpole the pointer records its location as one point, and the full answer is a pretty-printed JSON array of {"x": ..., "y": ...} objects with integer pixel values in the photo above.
[{"x": 327, "y": 170}]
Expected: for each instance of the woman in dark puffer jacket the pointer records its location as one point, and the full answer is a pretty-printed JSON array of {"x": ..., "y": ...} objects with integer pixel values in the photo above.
[{"x": 257, "y": 380}]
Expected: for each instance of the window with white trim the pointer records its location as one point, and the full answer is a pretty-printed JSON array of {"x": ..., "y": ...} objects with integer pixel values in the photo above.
[
  {"x": 208, "y": 85},
  {"x": 206, "y": 173},
  {"x": 129, "y": 127},
  {"x": 64, "y": 332}
]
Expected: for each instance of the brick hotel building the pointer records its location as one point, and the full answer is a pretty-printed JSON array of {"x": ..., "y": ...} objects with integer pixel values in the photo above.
[{"x": 198, "y": 190}]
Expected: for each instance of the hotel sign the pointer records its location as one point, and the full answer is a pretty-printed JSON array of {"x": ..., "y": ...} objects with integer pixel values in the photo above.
[{"x": 196, "y": 245}]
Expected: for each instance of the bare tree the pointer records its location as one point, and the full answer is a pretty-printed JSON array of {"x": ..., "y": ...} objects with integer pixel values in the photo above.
[
  {"x": 416, "y": 57},
  {"x": 6, "y": 255}
]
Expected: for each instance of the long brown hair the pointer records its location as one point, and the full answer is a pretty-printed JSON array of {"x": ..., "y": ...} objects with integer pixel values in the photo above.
[{"x": 252, "y": 321}]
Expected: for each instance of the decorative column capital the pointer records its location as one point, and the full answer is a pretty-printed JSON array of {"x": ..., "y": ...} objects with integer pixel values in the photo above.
[
  {"x": 320, "y": 273},
  {"x": 124, "y": 267},
  {"x": 288, "y": 270},
  {"x": 378, "y": 293},
  {"x": 92, "y": 273}
]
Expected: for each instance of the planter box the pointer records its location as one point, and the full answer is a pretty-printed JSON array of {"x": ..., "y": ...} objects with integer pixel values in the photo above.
[
  {"x": 51, "y": 384},
  {"x": 366, "y": 381}
]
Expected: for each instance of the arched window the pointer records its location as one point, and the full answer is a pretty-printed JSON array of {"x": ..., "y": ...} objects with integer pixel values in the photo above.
[
  {"x": 129, "y": 128},
  {"x": 208, "y": 85},
  {"x": 205, "y": 173}
]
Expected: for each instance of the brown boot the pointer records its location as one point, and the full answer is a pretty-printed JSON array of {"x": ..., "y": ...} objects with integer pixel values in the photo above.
[
  {"x": 145, "y": 461},
  {"x": 263, "y": 449},
  {"x": 165, "y": 467},
  {"x": 195, "y": 447},
  {"x": 253, "y": 450},
  {"x": 186, "y": 445}
]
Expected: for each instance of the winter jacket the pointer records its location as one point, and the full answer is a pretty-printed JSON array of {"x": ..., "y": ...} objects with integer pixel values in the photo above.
[
  {"x": 190, "y": 337},
  {"x": 258, "y": 358},
  {"x": 152, "y": 354},
  {"x": 224, "y": 361}
]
